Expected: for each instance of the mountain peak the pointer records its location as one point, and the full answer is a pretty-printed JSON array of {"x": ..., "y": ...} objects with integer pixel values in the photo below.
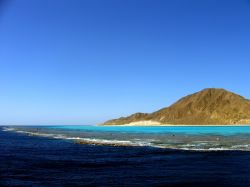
[{"x": 215, "y": 91}]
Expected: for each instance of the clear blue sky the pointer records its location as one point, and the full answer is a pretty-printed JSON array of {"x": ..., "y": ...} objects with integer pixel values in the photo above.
[{"x": 86, "y": 61}]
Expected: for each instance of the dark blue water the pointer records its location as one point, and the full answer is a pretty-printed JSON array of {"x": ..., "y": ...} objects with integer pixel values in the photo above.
[
  {"x": 39, "y": 161},
  {"x": 175, "y": 137}
]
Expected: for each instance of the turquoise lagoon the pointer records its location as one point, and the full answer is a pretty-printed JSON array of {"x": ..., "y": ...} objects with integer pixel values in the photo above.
[
  {"x": 196, "y": 138},
  {"x": 223, "y": 130}
]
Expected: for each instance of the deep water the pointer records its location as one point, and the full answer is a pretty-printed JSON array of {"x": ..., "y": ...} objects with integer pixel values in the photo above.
[{"x": 42, "y": 161}]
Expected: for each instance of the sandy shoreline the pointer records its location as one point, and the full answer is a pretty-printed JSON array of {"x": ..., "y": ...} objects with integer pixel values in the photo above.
[
  {"x": 156, "y": 123},
  {"x": 172, "y": 125}
]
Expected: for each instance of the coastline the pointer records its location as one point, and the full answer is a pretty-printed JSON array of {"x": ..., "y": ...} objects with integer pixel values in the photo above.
[
  {"x": 173, "y": 125},
  {"x": 191, "y": 138},
  {"x": 128, "y": 163}
]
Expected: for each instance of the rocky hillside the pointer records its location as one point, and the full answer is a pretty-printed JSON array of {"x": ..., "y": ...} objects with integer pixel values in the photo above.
[{"x": 209, "y": 106}]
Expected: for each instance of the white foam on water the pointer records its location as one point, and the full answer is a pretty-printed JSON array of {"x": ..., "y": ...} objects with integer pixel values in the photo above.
[
  {"x": 105, "y": 141},
  {"x": 241, "y": 146},
  {"x": 86, "y": 140},
  {"x": 192, "y": 146},
  {"x": 8, "y": 129}
]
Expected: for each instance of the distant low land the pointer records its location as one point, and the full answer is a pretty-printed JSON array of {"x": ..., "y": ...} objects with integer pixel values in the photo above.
[{"x": 210, "y": 106}]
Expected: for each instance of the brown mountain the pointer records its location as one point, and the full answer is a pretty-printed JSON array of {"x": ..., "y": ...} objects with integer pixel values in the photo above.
[{"x": 209, "y": 106}]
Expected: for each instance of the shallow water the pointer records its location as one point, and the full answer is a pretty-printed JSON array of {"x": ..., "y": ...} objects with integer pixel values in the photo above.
[
  {"x": 212, "y": 138},
  {"x": 46, "y": 161},
  {"x": 222, "y": 130}
]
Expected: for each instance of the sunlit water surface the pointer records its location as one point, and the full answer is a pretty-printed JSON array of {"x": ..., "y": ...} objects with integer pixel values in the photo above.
[
  {"x": 124, "y": 156},
  {"x": 206, "y": 138}
]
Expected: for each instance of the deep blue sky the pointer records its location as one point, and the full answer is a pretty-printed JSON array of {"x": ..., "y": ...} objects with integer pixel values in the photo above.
[{"x": 86, "y": 61}]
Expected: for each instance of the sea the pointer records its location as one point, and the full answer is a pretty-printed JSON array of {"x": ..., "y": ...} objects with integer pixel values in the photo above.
[{"x": 125, "y": 156}]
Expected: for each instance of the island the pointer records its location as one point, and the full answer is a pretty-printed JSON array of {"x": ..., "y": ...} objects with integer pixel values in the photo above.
[{"x": 211, "y": 106}]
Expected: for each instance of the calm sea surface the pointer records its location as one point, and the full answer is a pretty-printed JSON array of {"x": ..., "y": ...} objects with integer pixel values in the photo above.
[{"x": 124, "y": 156}]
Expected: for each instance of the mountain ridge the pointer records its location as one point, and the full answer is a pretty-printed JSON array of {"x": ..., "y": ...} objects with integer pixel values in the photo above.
[{"x": 206, "y": 107}]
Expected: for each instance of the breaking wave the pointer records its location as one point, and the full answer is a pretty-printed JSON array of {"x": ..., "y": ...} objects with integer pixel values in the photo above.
[{"x": 191, "y": 145}]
